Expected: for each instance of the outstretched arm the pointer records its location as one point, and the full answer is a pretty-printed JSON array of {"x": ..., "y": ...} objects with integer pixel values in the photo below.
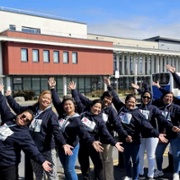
[
  {"x": 5, "y": 110},
  {"x": 55, "y": 97},
  {"x": 116, "y": 101},
  {"x": 84, "y": 100},
  {"x": 176, "y": 77}
]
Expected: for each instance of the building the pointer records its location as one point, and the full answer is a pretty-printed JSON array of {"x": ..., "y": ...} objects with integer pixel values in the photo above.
[{"x": 35, "y": 46}]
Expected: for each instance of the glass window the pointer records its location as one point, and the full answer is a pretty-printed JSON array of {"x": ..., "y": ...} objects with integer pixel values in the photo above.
[
  {"x": 36, "y": 85},
  {"x": 56, "y": 56},
  {"x": 163, "y": 78},
  {"x": 46, "y": 56},
  {"x": 65, "y": 57},
  {"x": 27, "y": 83},
  {"x": 12, "y": 27},
  {"x": 24, "y": 55},
  {"x": 74, "y": 58},
  {"x": 35, "y": 55},
  {"x": 44, "y": 84},
  {"x": 31, "y": 30}
]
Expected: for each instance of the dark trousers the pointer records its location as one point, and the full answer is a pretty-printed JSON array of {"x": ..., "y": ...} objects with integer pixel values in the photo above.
[
  {"x": 9, "y": 172},
  {"x": 28, "y": 169},
  {"x": 84, "y": 153}
]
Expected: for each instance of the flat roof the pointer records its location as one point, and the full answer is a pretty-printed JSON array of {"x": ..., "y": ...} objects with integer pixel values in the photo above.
[{"x": 42, "y": 15}]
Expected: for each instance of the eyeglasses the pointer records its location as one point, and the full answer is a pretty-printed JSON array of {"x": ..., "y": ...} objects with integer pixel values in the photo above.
[
  {"x": 25, "y": 119},
  {"x": 146, "y": 97}
]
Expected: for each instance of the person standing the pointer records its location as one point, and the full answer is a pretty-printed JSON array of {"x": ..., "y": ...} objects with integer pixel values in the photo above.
[{"x": 14, "y": 137}]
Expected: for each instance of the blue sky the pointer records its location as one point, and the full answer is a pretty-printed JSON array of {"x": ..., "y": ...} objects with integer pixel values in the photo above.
[{"x": 136, "y": 19}]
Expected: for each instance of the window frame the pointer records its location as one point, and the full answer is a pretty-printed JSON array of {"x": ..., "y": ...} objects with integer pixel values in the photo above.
[
  {"x": 65, "y": 57},
  {"x": 35, "y": 50},
  {"x": 46, "y": 56},
  {"x": 24, "y": 53},
  {"x": 74, "y": 55}
]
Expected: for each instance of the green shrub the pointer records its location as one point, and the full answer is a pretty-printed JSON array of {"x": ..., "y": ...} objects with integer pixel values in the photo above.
[{"x": 28, "y": 94}]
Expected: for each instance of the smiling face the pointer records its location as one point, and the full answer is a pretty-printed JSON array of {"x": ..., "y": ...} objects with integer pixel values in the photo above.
[
  {"x": 45, "y": 100},
  {"x": 96, "y": 108},
  {"x": 69, "y": 107},
  {"x": 168, "y": 98},
  {"x": 24, "y": 118},
  {"x": 107, "y": 101},
  {"x": 146, "y": 98}
]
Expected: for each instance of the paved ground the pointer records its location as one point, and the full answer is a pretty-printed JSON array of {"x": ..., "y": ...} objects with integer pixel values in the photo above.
[{"x": 118, "y": 173}]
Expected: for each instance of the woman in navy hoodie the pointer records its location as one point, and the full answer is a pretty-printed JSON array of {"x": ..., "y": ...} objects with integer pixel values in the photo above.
[
  {"x": 135, "y": 124},
  {"x": 44, "y": 130},
  {"x": 14, "y": 137},
  {"x": 73, "y": 131}
]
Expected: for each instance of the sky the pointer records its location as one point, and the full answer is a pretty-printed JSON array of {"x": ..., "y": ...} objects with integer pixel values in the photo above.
[{"x": 136, "y": 19}]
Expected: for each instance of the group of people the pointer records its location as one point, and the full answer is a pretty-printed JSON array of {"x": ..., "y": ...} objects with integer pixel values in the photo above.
[{"x": 82, "y": 128}]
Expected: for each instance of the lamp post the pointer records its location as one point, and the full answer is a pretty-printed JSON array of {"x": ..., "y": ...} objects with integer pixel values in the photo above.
[{"x": 117, "y": 77}]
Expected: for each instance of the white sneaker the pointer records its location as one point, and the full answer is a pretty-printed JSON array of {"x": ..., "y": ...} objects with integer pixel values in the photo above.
[
  {"x": 127, "y": 178},
  {"x": 158, "y": 173},
  {"x": 175, "y": 176}
]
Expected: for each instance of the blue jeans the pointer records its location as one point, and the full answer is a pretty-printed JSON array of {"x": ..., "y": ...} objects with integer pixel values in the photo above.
[
  {"x": 175, "y": 146},
  {"x": 131, "y": 151},
  {"x": 69, "y": 162}
]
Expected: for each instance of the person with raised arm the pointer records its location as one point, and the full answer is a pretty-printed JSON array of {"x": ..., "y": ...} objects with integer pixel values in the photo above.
[
  {"x": 135, "y": 123},
  {"x": 110, "y": 118},
  {"x": 45, "y": 131},
  {"x": 14, "y": 137},
  {"x": 73, "y": 131}
]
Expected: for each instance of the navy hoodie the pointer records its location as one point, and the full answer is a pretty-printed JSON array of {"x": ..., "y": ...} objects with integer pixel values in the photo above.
[
  {"x": 133, "y": 121},
  {"x": 44, "y": 128},
  {"x": 153, "y": 114},
  {"x": 18, "y": 139},
  {"x": 109, "y": 114}
]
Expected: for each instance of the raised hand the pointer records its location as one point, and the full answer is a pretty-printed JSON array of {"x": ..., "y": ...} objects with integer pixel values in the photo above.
[
  {"x": 51, "y": 82},
  {"x": 107, "y": 81},
  {"x": 1, "y": 87},
  {"x": 170, "y": 68},
  {"x": 135, "y": 86},
  {"x": 156, "y": 84},
  {"x": 72, "y": 85}
]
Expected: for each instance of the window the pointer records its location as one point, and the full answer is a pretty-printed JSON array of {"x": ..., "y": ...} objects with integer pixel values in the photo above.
[
  {"x": 46, "y": 56},
  {"x": 74, "y": 58},
  {"x": 31, "y": 30},
  {"x": 35, "y": 54},
  {"x": 24, "y": 55},
  {"x": 65, "y": 57},
  {"x": 12, "y": 27},
  {"x": 56, "y": 56}
]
